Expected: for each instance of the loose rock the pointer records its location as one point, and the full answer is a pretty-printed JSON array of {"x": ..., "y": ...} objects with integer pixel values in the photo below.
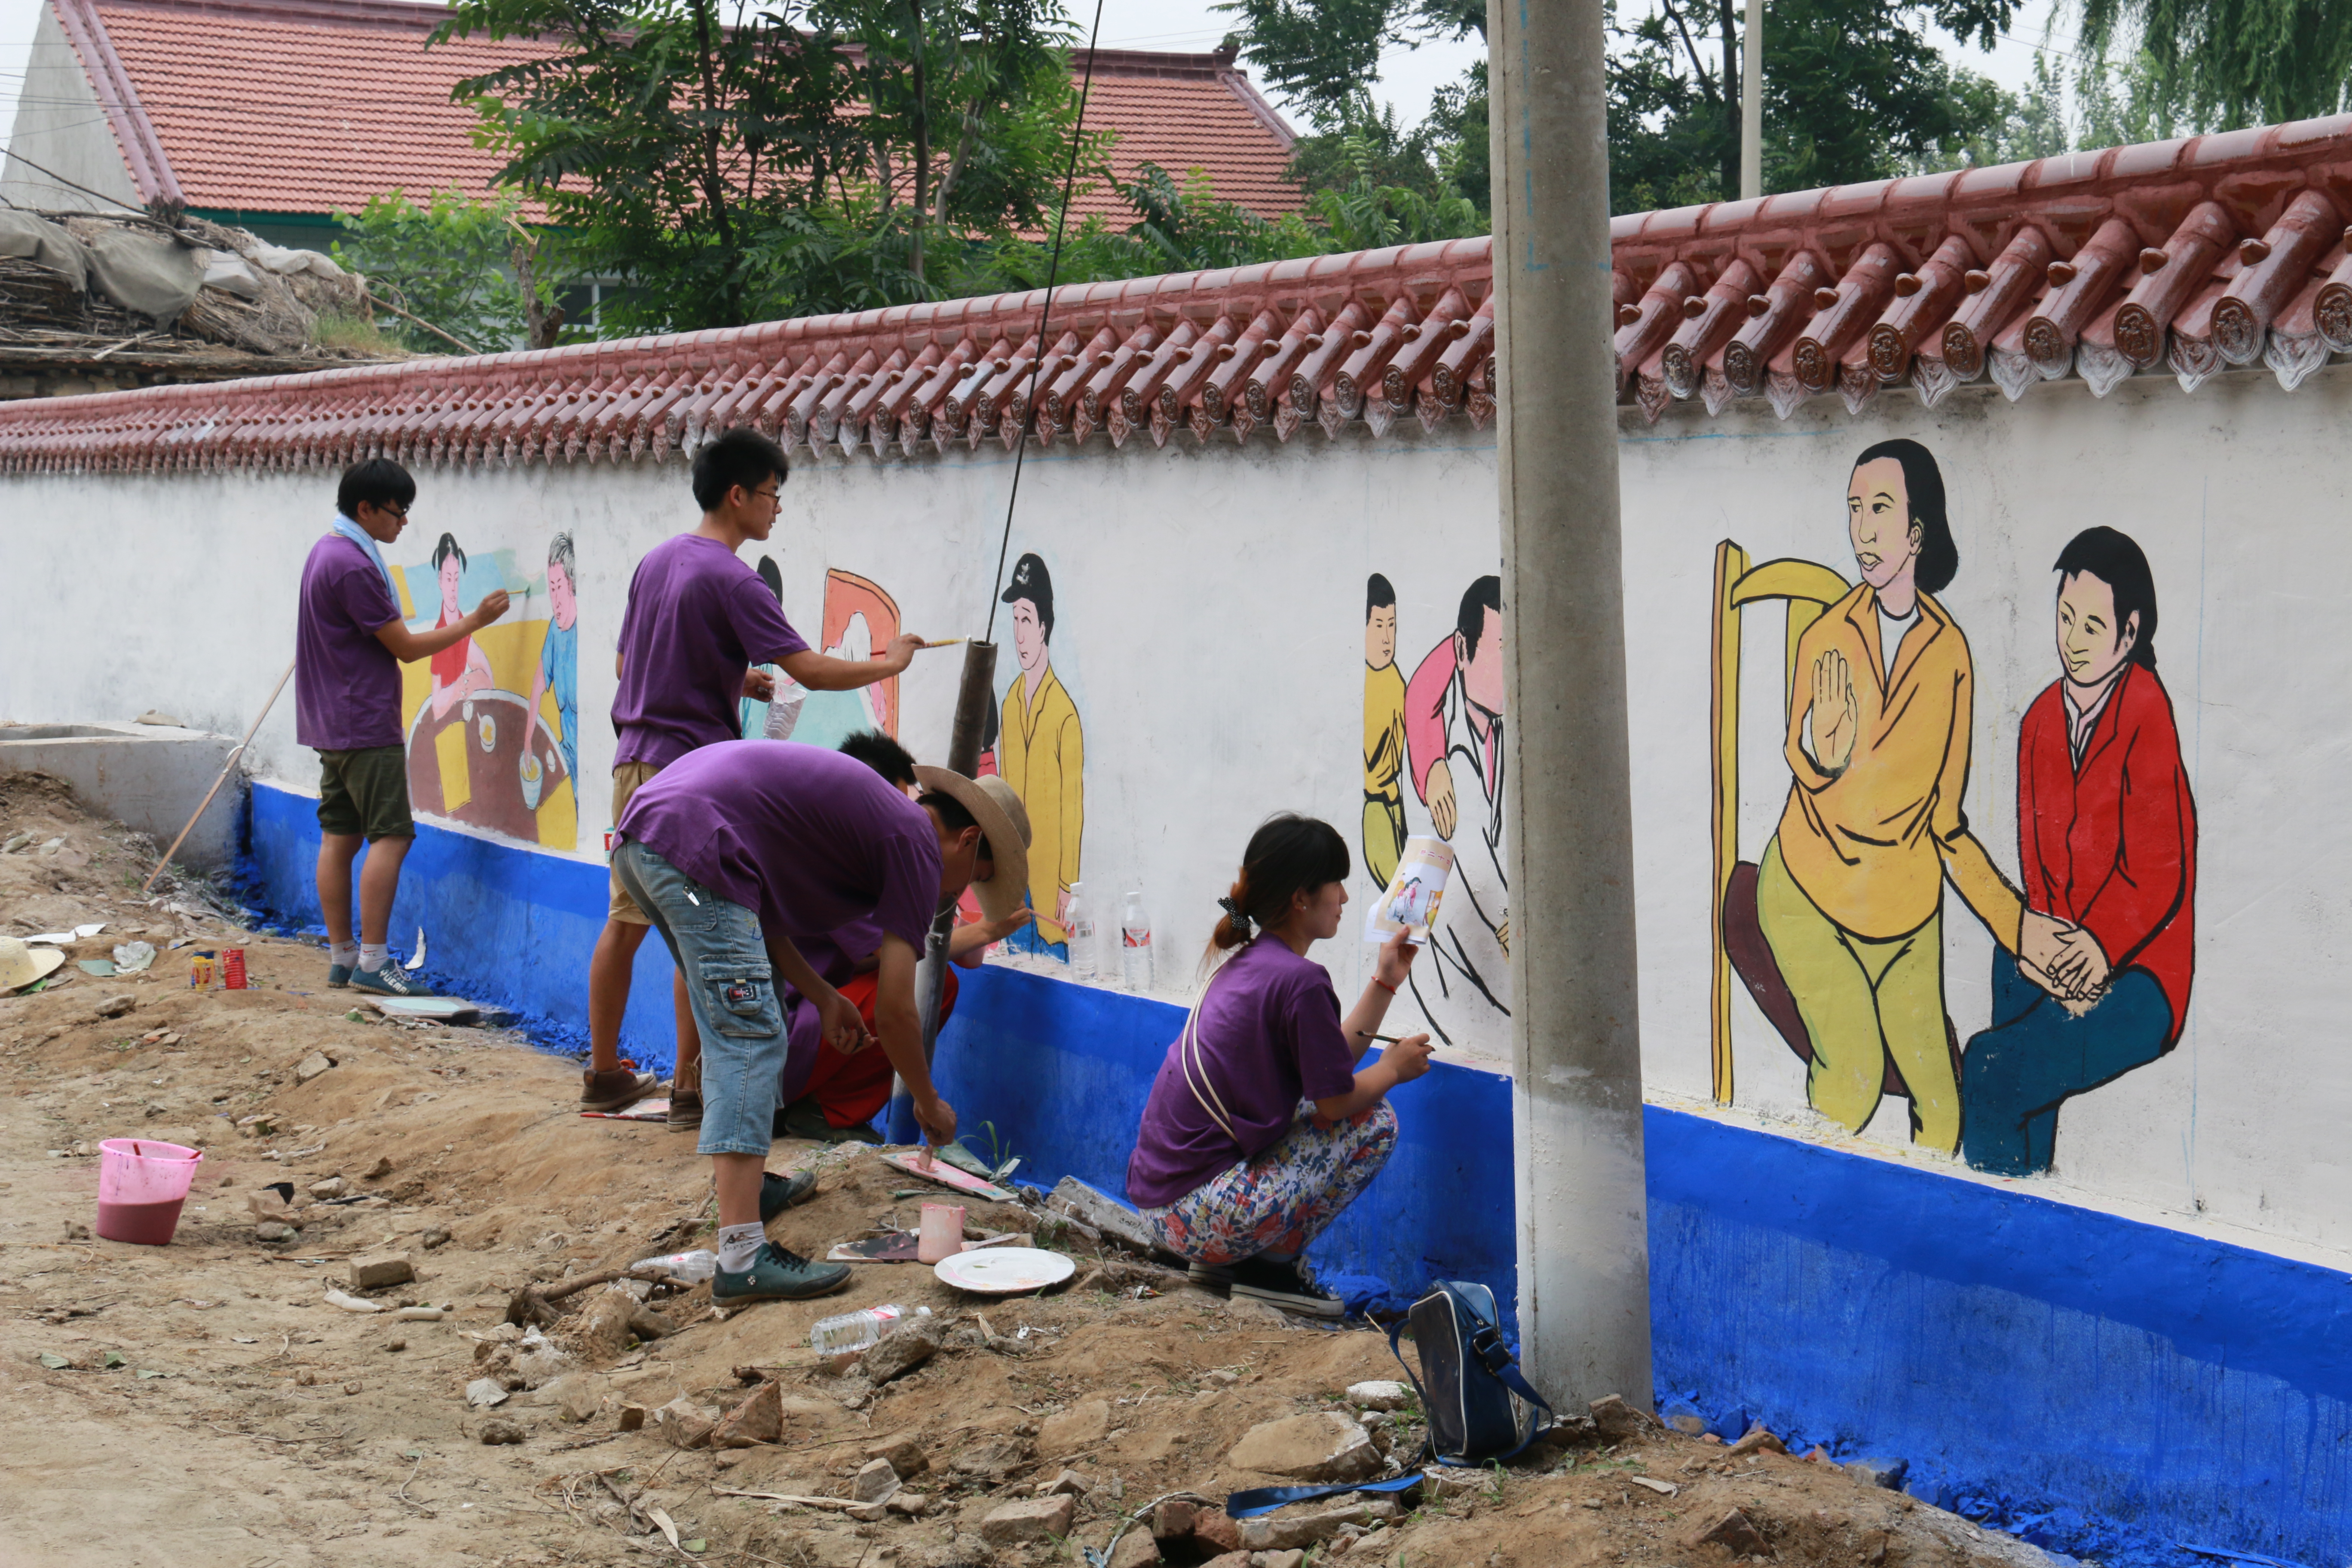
[
  {"x": 274, "y": 1230},
  {"x": 904, "y": 1451},
  {"x": 1279, "y": 1559},
  {"x": 1886, "y": 1474},
  {"x": 686, "y": 1424},
  {"x": 1213, "y": 1529},
  {"x": 631, "y": 1418},
  {"x": 115, "y": 1006},
  {"x": 911, "y": 1504},
  {"x": 1135, "y": 1549},
  {"x": 1031, "y": 1519},
  {"x": 876, "y": 1480},
  {"x": 1174, "y": 1519},
  {"x": 1736, "y": 1535},
  {"x": 904, "y": 1349},
  {"x": 312, "y": 1066},
  {"x": 1322, "y": 1446},
  {"x": 1277, "y": 1532},
  {"x": 1380, "y": 1394},
  {"x": 498, "y": 1429},
  {"x": 328, "y": 1187},
  {"x": 1758, "y": 1439},
  {"x": 376, "y": 1271},
  {"x": 1069, "y": 1483},
  {"x": 436, "y": 1237},
  {"x": 381, "y": 1169}
]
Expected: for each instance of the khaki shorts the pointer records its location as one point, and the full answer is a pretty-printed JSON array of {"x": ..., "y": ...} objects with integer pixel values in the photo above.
[
  {"x": 627, "y": 779},
  {"x": 365, "y": 791}
]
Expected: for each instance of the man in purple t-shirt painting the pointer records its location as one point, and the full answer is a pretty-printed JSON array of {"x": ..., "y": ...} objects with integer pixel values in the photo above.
[
  {"x": 743, "y": 850},
  {"x": 349, "y": 643},
  {"x": 697, "y": 620}
]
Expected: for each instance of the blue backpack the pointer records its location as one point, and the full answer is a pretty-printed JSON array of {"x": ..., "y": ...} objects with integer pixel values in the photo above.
[{"x": 1478, "y": 1404}]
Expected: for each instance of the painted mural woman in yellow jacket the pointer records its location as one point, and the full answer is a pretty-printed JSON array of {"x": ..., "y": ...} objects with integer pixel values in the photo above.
[{"x": 1850, "y": 894}]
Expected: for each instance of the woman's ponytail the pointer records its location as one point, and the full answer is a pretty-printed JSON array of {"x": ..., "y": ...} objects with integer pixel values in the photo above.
[{"x": 1290, "y": 854}]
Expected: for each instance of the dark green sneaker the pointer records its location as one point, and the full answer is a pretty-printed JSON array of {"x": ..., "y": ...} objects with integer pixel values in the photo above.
[
  {"x": 778, "y": 1274},
  {"x": 778, "y": 1193},
  {"x": 338, "y": 977},
  {"x": 389, "y": 981}
]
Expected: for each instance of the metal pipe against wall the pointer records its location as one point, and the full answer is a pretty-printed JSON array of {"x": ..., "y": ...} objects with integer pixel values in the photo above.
[
  {"x": 1583, "y": 1250},
  {"x": 1751, "y": 105}
]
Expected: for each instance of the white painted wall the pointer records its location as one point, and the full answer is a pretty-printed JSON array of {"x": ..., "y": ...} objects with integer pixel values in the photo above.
[{"x": 1210, "y": 615}]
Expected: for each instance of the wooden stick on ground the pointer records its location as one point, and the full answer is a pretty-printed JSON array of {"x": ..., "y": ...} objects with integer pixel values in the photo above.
[{"x": 148, "y": 886}]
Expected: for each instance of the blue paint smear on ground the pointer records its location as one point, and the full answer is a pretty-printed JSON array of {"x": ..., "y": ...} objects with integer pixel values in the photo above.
[{"x": 2100, "y": 1387}]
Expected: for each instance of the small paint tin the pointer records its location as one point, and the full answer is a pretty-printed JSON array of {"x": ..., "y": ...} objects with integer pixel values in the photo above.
[
  {"x": 232, "y": 968},
  {"x": 200, "y": 972}
]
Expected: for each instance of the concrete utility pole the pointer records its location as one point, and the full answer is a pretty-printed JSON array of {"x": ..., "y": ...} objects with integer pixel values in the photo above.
[
  {"x": 1751, "y": 105},
  {"x": 1583, "y": 1252}
]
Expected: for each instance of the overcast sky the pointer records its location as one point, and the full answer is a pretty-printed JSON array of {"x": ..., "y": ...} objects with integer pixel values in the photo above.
[{"x": 1408, "y": 76}]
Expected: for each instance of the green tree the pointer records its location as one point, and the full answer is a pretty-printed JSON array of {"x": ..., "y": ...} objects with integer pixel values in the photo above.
[
  {"x": 763, "y": 160},
  {"x": 2223, "y": 64},
  {"x": 470, "y": 269}
]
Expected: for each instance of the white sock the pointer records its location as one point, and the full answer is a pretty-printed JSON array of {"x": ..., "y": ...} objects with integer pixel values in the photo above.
[
  {"x": 346, "y": 953},
  {"x": 737, "y": 1245},
  {"x": 373, "y": 955}
]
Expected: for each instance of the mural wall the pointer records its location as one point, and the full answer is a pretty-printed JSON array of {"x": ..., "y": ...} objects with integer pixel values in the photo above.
[{"x": 2034, "y": 872}]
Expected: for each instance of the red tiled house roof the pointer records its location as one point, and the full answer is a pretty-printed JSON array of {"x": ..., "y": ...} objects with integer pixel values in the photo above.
[
  {"x": 306, "y": 105},
  {"x": 2188, "y": 256}
]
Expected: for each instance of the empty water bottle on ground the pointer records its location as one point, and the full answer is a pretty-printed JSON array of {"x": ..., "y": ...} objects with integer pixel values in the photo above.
[
  {"x": 849, "y": 1331},
  {"x": 1079, "y": 928},
  {"x": 1135, "y": 944},
  {"x": 691, "y": 1266}
]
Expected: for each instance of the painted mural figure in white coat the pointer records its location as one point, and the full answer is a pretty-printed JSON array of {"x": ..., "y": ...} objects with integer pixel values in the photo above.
[{"x": 1454, "y": 737}]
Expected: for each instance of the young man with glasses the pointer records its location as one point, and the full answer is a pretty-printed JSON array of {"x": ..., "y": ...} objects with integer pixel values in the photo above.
[
  {"x": 349, "y": 643},
  {"x": 698, "y": 619}
]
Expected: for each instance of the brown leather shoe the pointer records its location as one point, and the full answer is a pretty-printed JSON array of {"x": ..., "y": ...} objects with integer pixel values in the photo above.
[
  {"x": 614, "y": 1091},
  {"x": 684, "y": 1110}
]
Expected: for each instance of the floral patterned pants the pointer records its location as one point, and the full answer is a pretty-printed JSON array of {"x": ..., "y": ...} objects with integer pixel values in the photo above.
[{"x": 1284, "y": 1198}]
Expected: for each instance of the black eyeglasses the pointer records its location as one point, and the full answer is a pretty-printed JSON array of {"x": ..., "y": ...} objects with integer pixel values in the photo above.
[
  {"x": 769, "y": 495},
  {"x": 399, "y": 512}
]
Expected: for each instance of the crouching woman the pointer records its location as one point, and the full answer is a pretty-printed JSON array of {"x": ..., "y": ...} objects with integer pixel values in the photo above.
[{"x": 1261, "y": 1127}]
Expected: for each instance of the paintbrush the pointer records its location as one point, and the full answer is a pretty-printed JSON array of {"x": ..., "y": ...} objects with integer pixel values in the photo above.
[{"x": 946, "y": 642}]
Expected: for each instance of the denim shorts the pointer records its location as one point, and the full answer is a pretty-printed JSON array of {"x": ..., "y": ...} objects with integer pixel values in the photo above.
[{"x": 717, "y": 947}]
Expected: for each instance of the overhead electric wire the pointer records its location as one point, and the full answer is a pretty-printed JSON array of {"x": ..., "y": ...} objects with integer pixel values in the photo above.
[{"x": 1044, "y": 318}]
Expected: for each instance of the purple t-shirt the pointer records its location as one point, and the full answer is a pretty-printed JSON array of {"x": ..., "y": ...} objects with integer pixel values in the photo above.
[
  {"x": 346, "y": 683},
  {"x": 807, "y": 838},
  {"x": 697, "y": 618},
  {"x": 1270, "y": 1037}
]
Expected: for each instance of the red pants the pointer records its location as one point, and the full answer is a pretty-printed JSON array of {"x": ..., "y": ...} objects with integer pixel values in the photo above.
[{"x": 850, "y": 1090}]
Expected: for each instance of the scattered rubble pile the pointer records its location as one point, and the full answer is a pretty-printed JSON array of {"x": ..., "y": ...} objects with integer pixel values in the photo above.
[
  {"x": 72, "y": 284},
  {"x": 407, "y": 1319}
]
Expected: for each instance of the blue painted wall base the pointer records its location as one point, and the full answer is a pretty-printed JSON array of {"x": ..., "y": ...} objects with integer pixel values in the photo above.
[{"x": 2045, "y": 1368}]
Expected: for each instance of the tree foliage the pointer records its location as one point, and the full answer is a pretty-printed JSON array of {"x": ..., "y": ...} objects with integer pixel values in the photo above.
[
  {"x": 737, "y": 163},
  {"x": 2228, "y": 63},
  {"x": 470, "y": 267}
]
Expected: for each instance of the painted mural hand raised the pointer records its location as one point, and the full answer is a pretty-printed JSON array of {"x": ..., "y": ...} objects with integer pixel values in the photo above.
[
  {"x": 1440, "y": 794},
  {"x": 1837, "y": 716}
]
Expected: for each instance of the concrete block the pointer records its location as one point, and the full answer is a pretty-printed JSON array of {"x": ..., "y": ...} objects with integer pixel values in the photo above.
[
  {"x": 1030, "y": 1519},
  {"x": 150, "y": 777},
  {"x": 374, "y": 1272}
]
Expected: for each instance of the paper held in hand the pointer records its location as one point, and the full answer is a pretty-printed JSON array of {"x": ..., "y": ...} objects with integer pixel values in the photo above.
[{"x": 1410, "y": 903}]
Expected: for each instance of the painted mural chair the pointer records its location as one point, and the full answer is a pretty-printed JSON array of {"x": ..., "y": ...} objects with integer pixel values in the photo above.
[{"x": 1807, "y": 588}]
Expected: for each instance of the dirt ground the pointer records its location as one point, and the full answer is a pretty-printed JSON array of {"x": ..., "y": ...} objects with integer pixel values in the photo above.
[{"x": 212, "y": 1407}]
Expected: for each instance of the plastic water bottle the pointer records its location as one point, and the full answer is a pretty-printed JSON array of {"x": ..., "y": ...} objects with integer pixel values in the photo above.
[
  {"x": 850, "y": 1331},
  {"x": 1135, "y": 944},
  {"x": 1086, "y": 960},
  {"x": 691, "y": 1266}
]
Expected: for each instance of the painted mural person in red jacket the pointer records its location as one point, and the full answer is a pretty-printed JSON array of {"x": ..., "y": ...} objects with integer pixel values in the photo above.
[{"x": 2106, "y": 838}]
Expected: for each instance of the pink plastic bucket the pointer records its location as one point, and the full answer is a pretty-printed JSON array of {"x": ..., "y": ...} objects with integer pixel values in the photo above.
[{"x": 140, "y": 1185}]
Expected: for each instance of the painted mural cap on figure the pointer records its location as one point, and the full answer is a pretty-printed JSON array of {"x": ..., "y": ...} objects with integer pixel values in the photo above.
[
  {"x": 1005, "y": 820},
  {"x": 1031, "y": 581}
]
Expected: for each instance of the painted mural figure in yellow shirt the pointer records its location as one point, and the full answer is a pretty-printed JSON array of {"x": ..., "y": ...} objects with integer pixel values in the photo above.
[
  {"x": 1850, "y": 894},
  {"x": 1384, "y": 733},
  {"x": 1042, "y": 751}
]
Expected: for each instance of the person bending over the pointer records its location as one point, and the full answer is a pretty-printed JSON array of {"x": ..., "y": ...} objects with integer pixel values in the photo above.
[
  {"x": 696, "y": 622},
  {"x": 739, "y": 852},
  {"x": 831, "y": 1096},
  {"x": 1261, "y": 1126}
]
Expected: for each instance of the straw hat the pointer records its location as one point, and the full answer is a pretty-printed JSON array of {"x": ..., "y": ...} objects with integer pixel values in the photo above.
[
  {"x": 1005, "y": 820},
  {"x": 21, "y": 965}
]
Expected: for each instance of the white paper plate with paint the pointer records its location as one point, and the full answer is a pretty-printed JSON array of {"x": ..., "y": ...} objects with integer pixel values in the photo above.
[{"x": 1005, "y": 1271}]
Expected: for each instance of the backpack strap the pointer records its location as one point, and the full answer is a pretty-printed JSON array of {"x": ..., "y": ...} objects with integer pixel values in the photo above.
[{"x": 1265, "y": 1499}]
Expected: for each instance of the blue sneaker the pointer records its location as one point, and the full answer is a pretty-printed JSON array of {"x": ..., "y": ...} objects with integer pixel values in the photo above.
[
  {"x": 338, "y": 977},
  {"x": 389, "y": 981},
  {"x": 778, "y": 1193},
  {"x": 778, "y": 1274}
]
